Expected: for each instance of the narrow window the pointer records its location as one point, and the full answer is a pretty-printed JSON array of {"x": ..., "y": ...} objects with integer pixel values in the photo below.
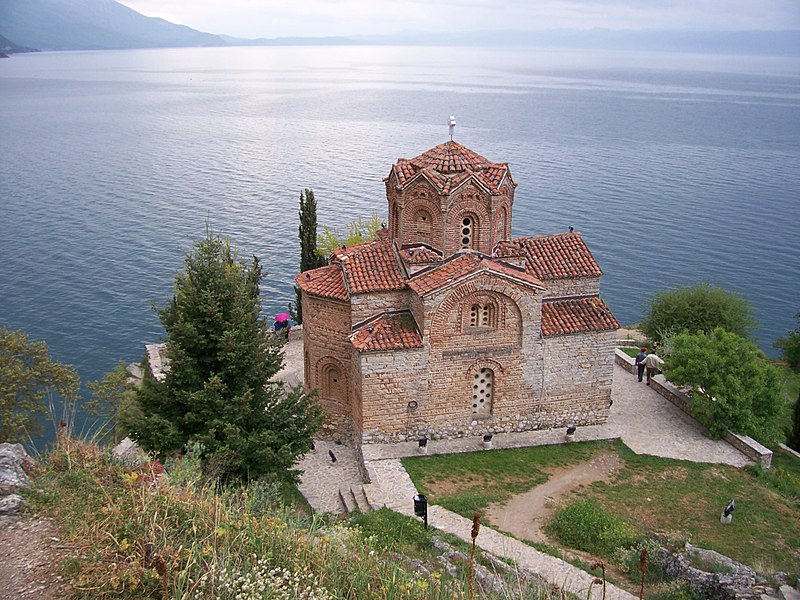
[
  {"x": 466, "y": 232},
  {"x": 482, "y": 385},
  {"x": 473, "y": 315}
]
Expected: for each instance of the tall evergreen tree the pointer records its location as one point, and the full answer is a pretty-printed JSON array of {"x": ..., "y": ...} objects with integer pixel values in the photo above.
[
  {"x": 794, "y": 434},
  {"x": 309, "y": 258},
  {"x": 217, "y": 394}
]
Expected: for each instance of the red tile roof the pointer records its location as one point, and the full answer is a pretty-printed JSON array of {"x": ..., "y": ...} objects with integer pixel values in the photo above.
[
  {"x": 557, "y": 256},
  {"x": 561, "y": 317},
  {"x": 419, "y": 255},
  {"x": 462, "y": 265},
  {"x": 370, "y": 267},
  {"x": 448, "y": 165},
  {"x": 387, "y": 332},
  {"x": 325, "y": 281}
]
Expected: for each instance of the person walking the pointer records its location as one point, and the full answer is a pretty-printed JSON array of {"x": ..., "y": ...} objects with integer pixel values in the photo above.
[
  {"x": 653, "y": 364},
  {"x": 639, "y": 362}
]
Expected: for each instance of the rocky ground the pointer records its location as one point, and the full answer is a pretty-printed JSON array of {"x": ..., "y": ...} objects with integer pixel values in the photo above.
[{"x": 30, "y": 555}]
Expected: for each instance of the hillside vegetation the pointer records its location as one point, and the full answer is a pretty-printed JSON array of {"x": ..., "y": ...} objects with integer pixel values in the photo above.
[{"x": 138, "y": 534}]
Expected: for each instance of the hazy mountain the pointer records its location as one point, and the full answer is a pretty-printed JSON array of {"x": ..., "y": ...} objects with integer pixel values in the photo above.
[
  {"x": 785, "y": 43},
  {"x": 105, "y": 24},
  {"x": 8, "y": 47},
  {"x": 92, "y": 25},
  {"x": 713, "y": 42}
]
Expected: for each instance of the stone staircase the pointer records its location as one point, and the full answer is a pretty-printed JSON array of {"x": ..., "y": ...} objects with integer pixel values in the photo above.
[{"x": 364, "y": 498}]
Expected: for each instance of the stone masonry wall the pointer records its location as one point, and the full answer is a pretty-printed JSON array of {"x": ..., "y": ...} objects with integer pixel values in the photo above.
[
  {"x": 578, "y": 372},
  {"x": 366, "y": 306},
  {"x": 439, "y": 378},
  {"x": 328, "y": 351},
  {"x": 563, "y": 288}
]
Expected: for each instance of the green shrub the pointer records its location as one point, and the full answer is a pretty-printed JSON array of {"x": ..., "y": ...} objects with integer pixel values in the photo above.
[
  {"x": 584, "y": 525},
  {"x": 630, "y": 561},
  {"x": 733, "y": 386},
  {"x": 698, "y": 308}
]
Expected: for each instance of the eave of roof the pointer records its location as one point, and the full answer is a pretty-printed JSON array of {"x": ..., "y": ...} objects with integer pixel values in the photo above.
[{"x": 327, "y": 281}]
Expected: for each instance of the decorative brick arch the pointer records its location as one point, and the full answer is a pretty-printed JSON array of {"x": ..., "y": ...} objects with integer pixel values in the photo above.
[
  {"x": 460, "y": 302},
  {"x": 476, "y": 212},
  {"x": 332, "y": 381},
  {"x": 422, "y": 222}
]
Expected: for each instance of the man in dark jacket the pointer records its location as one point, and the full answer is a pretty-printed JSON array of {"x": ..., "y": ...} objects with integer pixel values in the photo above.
[{"x": 639, "y": 362}]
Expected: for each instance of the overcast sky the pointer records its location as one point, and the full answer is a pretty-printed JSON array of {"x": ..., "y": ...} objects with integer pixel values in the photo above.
[{"x": 276, "y": 18}]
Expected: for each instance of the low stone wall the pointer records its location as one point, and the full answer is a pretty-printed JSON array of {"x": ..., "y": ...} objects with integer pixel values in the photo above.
[
  {"x": 744, "y": 444},
  {"x": 732, "y": 581}
]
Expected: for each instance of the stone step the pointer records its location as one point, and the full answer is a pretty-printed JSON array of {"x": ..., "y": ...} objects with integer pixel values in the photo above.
[
  {"x": 349, "y": 501},
  {"x": 360, "y": 497},
  {"x": 374, "y": 495}
]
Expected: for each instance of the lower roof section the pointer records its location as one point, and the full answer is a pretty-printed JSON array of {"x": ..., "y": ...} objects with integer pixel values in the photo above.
[
  {"x": 576, "y": 315},
  {"x": 387, "y": 331}
]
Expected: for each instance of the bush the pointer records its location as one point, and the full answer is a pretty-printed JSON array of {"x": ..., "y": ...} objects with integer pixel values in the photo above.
[
  {"x": 584, "y": 525},
  {"x": 630, "y": 561},
  {"x": 733, "y": 386},
  {"x": 790, "y": 347},
  {"x": 699, "y": 308}
]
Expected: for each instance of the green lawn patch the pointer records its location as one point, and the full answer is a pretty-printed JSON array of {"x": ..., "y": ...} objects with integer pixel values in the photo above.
[
  {"x": 686, "y": 499},
  {"x": 649, "y": 495},
  {"x": 469, "y": 482}
]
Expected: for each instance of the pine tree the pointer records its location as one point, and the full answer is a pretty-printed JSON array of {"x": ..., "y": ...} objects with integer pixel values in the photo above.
[
  {"x": 217, "y": 395},
  {"x": 309, "y": 258}
]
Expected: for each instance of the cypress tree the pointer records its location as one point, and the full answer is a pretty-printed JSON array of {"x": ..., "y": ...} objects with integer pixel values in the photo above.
[
  {"x": 217, "y": 395},
  {"x": 309, "y": 259},
  {"x": 794, "y": 435}
]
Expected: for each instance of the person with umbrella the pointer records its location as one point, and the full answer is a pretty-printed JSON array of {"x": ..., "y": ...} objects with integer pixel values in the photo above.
[{"x": 281, "y": 325}]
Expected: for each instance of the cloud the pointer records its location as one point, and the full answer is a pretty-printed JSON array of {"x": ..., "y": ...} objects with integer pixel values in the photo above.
[{"x": 274, "y": 18}]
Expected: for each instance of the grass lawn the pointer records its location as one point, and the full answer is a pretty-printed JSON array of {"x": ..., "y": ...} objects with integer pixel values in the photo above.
[
  {"x": 656, "y": 495},
  {"x": 465, "y": 483}
]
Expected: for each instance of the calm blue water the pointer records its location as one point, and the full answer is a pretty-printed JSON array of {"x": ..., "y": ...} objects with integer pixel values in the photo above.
[{"x": 675, "y": 167}]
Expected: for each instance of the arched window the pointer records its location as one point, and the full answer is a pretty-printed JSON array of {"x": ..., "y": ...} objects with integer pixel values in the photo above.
[
  {"x": 332, "y": 384},
  {"x": 467, "y": 231},
  {"x": 482, "y": 392},
  {"x": 423, "y": 226},
  {"x": 483, "y": 315}
]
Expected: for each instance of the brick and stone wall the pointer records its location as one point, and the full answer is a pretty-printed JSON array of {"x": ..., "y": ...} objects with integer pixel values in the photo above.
[
  {"x": 578, "y": 372},
  {"x": 468, "y": 201},
  {"x": 366, "y": 306},
  {"x": 328, "y": 358},
  {"x": 563, "y": 288}
]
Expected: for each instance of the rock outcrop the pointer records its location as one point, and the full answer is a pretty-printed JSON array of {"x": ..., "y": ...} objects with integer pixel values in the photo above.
[{"x": 13, "y": 477}]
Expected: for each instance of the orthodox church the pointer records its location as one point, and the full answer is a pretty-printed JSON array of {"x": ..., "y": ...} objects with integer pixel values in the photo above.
[{"x": 446, "y": 326}]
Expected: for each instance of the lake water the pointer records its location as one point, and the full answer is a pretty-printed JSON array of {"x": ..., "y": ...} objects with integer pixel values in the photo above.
[{"x": 676, "y": 168}]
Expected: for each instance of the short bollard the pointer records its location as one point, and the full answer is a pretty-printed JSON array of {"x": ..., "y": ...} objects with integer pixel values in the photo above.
[{"x": 421, "y": 508}]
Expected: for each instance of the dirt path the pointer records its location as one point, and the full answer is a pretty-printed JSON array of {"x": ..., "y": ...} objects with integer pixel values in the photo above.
[
  {"x": 30, "y": 554},
  {"x": 525, "y": 514}
]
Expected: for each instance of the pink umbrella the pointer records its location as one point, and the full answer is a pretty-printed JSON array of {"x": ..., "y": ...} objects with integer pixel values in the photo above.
[{"x": 282, "y": 317}]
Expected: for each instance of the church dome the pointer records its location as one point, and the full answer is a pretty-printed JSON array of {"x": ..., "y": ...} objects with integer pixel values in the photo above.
[{"x": 450, "y": 164}]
